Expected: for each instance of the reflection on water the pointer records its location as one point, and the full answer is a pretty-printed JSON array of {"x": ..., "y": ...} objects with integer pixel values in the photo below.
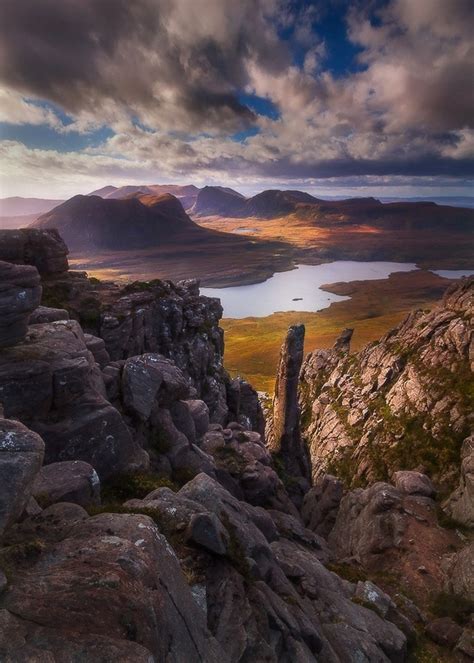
[{"x": 299, "y": 289}]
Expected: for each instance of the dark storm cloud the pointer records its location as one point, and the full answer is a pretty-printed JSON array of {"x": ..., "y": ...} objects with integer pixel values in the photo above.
[{"x": 150, "y": 56}]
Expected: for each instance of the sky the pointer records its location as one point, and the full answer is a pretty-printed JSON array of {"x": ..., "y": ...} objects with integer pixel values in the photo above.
[{"x": 335, "y": 97}]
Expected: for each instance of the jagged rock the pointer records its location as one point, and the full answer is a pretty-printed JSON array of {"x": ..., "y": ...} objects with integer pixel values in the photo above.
[
  {"x": 144, "y": 377},
  {"x": 96, "y": 346},
  {"x": 44, "y": 249},
  {"x": 399, "y": 404},
  {"x": 51, "y": 383},
  {"x": 284, "y": 440},
  {"x": 21, "y": 456},
  {"x": 383, "y": 529},
  {"x": 128, "y": 586},
  {"x": 244, "y": 405},
  {"x": 460, "y": 579},
  {"x": 460, "y": 504},
  {"x": 444, "y": 631},
  {"x": 321, "y": 503},
  {"x": 200, "y": 415},
  {"x": 413, "y": 483},
  {"x": 20, "y": 294},
  {"x": 69, "y": 481},
  {"x": 343, "y": 342},
  {"x": 46, "y": 314},
  {"x": 465, "y": 643}
]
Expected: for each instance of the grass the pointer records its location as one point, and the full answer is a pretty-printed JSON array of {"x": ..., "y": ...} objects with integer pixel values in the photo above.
[{"x": 137, "y": 485}]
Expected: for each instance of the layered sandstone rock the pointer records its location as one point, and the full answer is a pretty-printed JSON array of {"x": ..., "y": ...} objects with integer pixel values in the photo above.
[
  {"x": 403, "y": 403},
  {"x": 20, "y": 294},
  {"x": 44, "y": 249},
  {"x": 21, "y": 456}
]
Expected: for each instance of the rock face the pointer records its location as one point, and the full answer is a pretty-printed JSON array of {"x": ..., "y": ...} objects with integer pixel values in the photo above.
[
  {"x": 403, "y": 403},
  {"x": 44, "y": 249},
  {"x": 20, "y": 294},
  {"x": 21, "y": 456},
  {"x": 129, "y": 598},
  {"x": 284, "y": 439},
  {"x": 460, "y": 504},
  {"x": 52, "y": 384}
]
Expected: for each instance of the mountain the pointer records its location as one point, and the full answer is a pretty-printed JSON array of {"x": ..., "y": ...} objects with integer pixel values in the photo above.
[
  {"x": 139, "y": 221},
  {"x": 215, "y": 200},
  {"x": 17, "y": 206},
  {"x": 273, "y": 203},
  {"x": 186, "y": 194}
]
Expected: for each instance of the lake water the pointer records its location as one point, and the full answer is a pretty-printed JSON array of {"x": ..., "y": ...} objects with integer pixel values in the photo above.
[
  {"x": 453, "y": 273},
  {"x": 299, "y": 289}
]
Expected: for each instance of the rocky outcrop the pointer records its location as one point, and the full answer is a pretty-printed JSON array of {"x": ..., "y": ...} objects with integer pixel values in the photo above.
[
  {"x": 393, "y": 530},
  {"x": 21, "y": 456},
  {"x": 284, "y": 438},
  {"x": 20, "y": 294},
  {"x": 403, "y": 403},
  {"x": 52, "y": 384},
  {"x": 460, "y": 504},
  {"x": 321, "y": 504},
  {"x": 97, "y": 589},
  {"x": 44, "y": 249}
]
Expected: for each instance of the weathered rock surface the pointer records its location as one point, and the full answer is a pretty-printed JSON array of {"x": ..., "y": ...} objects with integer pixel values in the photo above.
[
  {"x": 284, "y": 438},
  {"x": 321, "y": 504},
  {"x": 21, "y": 456},
  {"x": 460, "y": 504},
  {"x": 387, "y": 530},
  {"x": 402, "y": 403},
  {"x": 20, "y": 294},
  {"x": 44, "y": 249},
  {"x": 460, "y": 570},
  {"x": 46, "y": 314},
  {"x": 129, "y": 598},
  {"x": 51, "y": 383},
  {"x": 69, "y": 481}
]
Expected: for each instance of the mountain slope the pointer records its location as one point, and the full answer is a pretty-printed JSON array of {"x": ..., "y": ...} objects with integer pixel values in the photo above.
[
  {"x": 92, "y": 222},
  {"x": 186, "y": 194}
]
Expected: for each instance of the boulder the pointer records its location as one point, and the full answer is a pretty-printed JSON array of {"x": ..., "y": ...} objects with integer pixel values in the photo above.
[
  {"x": 20, "y": 294},
  {"x": 413, "y": 483},
  {"x": 21, "y": 457},
  {"x": 444, "y": 631},
  {"x": 69, "y": 481},
  {"x": 151, "y": 378},
  {"x": 46, "y": 314},
  {"x": 207, "y": 531},
  {"x": 44, "y": 249}
]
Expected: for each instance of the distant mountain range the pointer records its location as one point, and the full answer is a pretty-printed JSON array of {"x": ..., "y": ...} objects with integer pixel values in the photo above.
[{"x": 271, "y": 204}]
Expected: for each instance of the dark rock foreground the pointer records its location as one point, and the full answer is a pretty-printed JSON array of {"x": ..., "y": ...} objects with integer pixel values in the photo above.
[{"x": 143, "y": 516}]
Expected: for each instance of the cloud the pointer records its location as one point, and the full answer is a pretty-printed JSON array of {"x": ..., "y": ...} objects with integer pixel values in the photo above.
[{"x": 167, "y": 77}]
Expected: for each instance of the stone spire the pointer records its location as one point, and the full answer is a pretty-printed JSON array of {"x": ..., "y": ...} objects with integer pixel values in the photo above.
[{"x": 285, "y": 440}]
